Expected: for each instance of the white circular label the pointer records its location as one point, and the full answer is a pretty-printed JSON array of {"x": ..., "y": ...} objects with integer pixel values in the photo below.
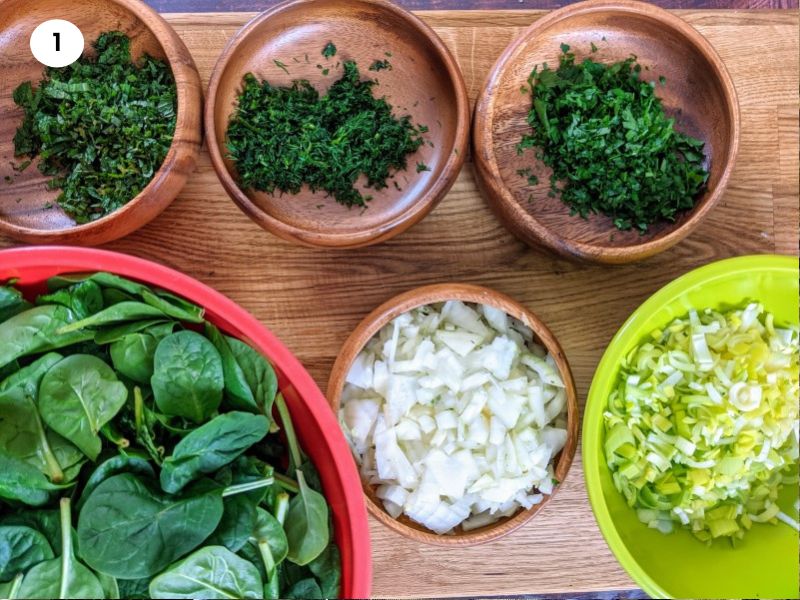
[{"x": 57, "y": 43}]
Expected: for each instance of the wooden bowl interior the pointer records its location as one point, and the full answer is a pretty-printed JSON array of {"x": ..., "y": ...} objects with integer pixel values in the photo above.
[
  {"x": 694, "y": 95},
  {"x": 25, "y": 201},
  {"x": 382, "y": 316},
  {"x": 418, "y": 84}
]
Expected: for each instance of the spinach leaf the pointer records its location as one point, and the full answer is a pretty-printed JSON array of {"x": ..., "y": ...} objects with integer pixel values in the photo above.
[
  {"x": 45, "y": 521},
  {"x": 37, "y": 330},
  {"x": 114, "y": 333},
  {"x": 237, "y": 390},
  {"x": 306, "y": 524},
  {"x": 210, "y": 447},
  {"x": 83, "y": 298},
  {"x": 20, "y": 548},
  {"x": 128, "y": 528},
  {"x": 110, "y": 586},
  {"x": 327, "y": 568},
  {"x": 10, "y": 590},
  {"x": 21, "y": 432},
  {"x": 62, "y": 577},
  {"x": 116, "y": 313},
  {"x": 305, "y": 589},
  {"x": 20, "y": 481},
  {"x": 144, "y": 424},
  {"x": 258, "y": 373},
  {"x": 188, "y": 379},
  {"x": 236, "y": 525},
  {"x": 134, "y": 589},
  {"x": 78, "y": 396},
  {"x": 269, "y": 531},
  {"x": 11, "y": 302},
  {"x": 212, "y": 572},
  {"x": 121, "y": 463},
  {"x": 133, "y": 356}
]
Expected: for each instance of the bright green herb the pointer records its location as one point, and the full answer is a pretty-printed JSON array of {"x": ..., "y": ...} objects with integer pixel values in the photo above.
[
  {"x": 610, "y": 145},
  {"x": 282, "y": 138},
  {"x": 185, "y": 495},
  {"x": 329, "y": 50},
  {"x": 102, "y": 126}
]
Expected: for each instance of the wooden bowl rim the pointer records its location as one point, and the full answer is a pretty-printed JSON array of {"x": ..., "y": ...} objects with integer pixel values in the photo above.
[
  {"x": 421, "y": 206},
  {"x": 185, "y": 141},
  {"x": 528, "y": 226},
  {"x": 432, "y": 294}
]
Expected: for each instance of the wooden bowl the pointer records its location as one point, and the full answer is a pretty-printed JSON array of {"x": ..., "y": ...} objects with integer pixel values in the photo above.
[
  {"x": 28, "y": 211},
  {"x": 424, "y": 81},
  {"x": 383, "y": 315},
  {"x": 698, "y": 92}
]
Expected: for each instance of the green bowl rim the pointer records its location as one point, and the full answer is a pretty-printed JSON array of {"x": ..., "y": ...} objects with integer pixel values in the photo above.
[{"x": 590, "y": 434}]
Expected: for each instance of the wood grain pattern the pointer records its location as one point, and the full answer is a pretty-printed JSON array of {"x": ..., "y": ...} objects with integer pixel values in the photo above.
[
  {"x": 424, "y": 82},
  {"x": 27, "y": 208},
  {"x": 313, "y": 299},
  {"x": 698, "y": 93},
  {"x": 249, "y": 5},
  {"x": 433, "y": 294}
]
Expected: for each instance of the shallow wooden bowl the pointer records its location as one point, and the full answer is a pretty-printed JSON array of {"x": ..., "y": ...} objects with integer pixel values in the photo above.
[
  {"x": 699, "y": 93},
  {"x": 424, "y": 82},
  {"x": 28, "y": 211},
  {"x": 433, "y": 294}
]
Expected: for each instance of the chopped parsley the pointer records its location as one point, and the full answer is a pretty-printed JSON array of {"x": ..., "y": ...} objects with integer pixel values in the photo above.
[
  {"x": 380, "y": 65},
  {"x": 329, "y": 50},
  {"x": 611, "y": 147}
]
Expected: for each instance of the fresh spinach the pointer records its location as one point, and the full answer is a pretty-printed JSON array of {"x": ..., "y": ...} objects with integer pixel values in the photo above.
[
  {"x": 63, "y": 577},
  {"x": 188, "y": 378},
  {"x": 258, "y": 373},
  {"x": 114, "y": 333},
  {"x": 10, "y": 590},
  {"x": 133, "y": 356},
  {"x": 305, "y": 589},
  {"x": 236, "y": 525},
  {"x": 121, "y": 463},
  {"x": 11, "y": 302},
  {"x": 212, "y": 572},
  {"x": 21, "y": 547},
  {"x": 37, "y": 330},
  {"x": 83, "y": 298},
  {"x": 237, "y": 390},
  {"x": 128, "y": 528},
  {"x": 210, "y": 447},
  {"x": 327, "y": 568},
  {"x": 116, "y": 313},
  {"x": 78, "y": 396},
  {"x": 23, "y": 482}
]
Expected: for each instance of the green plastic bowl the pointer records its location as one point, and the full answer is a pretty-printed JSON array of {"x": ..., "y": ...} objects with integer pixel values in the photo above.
[{"x": 765, "y": 563}]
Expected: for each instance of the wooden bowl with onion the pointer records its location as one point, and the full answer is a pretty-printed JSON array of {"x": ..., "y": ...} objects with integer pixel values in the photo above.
[
  {"x": 28, "y": 211},
  {"x": 284, "y": 44},
  {"x": 470, "y": 294},
  {"x": 698, "y": 92}
]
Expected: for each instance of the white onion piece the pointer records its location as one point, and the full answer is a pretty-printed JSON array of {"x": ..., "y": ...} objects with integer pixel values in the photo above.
[{"x": 456, "y": 414}]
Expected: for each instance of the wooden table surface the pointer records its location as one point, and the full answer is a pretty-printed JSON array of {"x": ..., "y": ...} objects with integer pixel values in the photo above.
[{"x": 313, "y": 299}]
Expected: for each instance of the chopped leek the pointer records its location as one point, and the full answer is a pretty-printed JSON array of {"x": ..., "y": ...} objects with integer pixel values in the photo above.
[{"x": 702, "y": 425}]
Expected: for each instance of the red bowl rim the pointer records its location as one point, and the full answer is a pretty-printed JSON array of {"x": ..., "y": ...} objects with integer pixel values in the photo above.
[{"x": 91, "y": 259}]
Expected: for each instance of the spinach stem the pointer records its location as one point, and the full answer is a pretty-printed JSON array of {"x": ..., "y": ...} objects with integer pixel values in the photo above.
[
  {"x": 281, "y": 507},
  {"x": 66, "y": 548},
  {"x": 247, "y": 487},
  {"x": 286, "y": 419},
  {"x": 15, "y": 585},
  {"x": 286, "y": 483},
  {"x": 266, "y": 556}
]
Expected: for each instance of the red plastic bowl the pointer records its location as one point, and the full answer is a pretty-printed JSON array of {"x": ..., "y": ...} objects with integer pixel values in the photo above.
[{"x": 316, "y": 425}]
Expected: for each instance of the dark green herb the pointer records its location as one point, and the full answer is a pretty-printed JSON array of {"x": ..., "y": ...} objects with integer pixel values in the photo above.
[
  {"x": 326, "y": 71},
  {"x": 102, "y": 126},
  {"x": 422, "y": 167},
  {"x": 284, "y": 137},
  {"x": 380, "y": 65},
  {"x": 329, "y": 50},
  {"x": 612, "y": 149}
]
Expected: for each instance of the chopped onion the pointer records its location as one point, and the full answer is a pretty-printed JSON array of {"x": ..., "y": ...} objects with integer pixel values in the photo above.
[
  {"x": 702, "y": 427},
  {"x": 457, "y": 415}
]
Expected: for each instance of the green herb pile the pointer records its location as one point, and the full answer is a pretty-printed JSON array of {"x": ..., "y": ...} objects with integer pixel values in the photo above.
[
  {"x": 284, "y": 137},
  {"x": 612, "y": 150},
  {"x": 102, "y": 126},
  {"x": 139, "y": 458}
]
